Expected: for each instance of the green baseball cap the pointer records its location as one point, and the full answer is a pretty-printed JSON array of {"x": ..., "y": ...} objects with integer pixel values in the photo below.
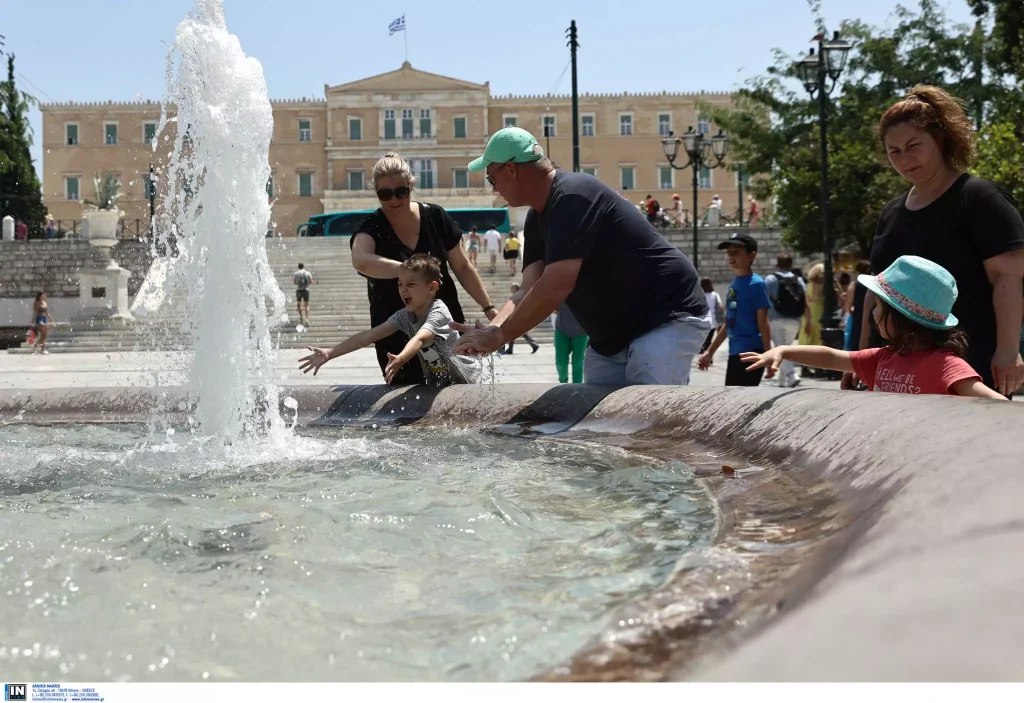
[{"x": 509, "y": 144}]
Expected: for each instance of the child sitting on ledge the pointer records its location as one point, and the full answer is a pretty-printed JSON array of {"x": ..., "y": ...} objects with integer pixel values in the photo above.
[
  {"x": 424, "y": 319},
  {"x": 914, "y": 300}
]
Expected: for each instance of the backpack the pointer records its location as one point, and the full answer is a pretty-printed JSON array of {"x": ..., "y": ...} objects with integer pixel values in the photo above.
[
  {"x": 790, "y": 301},
  {"x": 657, "y": 207}
]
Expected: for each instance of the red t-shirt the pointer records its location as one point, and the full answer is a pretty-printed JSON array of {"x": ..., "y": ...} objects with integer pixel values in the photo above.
[{"x": 933, "y": 371}]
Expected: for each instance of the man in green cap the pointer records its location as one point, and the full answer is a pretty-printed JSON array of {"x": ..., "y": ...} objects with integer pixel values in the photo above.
[{"x": 636, "y": 296}]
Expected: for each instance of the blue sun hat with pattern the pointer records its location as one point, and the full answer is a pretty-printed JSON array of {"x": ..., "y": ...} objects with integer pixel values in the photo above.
[{"x": 919, "y": 289}]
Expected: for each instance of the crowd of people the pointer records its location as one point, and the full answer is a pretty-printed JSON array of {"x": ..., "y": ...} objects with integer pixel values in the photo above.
[{"x": 938, "y": 307}]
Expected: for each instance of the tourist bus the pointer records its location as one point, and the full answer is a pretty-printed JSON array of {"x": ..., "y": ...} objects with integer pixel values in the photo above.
[{"x": 343, "y": 224}]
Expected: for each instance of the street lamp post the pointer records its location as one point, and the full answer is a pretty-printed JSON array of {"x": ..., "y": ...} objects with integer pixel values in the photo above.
[
  {"x": 702, "y": 153},
  {"x": 814, "y": 70}
]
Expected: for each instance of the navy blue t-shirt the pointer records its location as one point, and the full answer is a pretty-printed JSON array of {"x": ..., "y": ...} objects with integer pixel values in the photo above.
[
  {"x": 747, "y": 295},
  {"x": 632, "y": 279}
]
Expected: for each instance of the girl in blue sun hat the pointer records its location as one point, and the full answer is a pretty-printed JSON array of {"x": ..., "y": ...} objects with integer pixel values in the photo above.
[{"x": 925, "y": 352}]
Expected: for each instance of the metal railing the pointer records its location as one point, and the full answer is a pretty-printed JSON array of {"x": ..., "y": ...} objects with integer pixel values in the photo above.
[{"x": 72, "y": 229}]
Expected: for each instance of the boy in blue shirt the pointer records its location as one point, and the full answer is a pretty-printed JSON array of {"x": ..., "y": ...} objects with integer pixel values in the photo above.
[{"x": 746, "y": 314}]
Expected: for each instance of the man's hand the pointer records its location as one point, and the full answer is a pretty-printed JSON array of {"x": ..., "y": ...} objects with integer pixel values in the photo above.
[
  {"x": 395, "y": 363},
  {"x": 704, "y": 361},
  {"x": 769, "y": 361},
  {"x": 479, "y": 340},
  {"x": 1007, "y": 370},
  {"x": 314, "y": 361}
]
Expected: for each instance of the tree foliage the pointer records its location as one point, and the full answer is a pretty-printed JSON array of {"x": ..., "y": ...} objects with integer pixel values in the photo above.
[
  {"x": 20, "y": 193},
  {"x": 773, "y": 123}
]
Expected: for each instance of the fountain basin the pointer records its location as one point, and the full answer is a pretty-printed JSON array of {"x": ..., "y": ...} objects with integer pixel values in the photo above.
[{"x": 860, "y": 536}]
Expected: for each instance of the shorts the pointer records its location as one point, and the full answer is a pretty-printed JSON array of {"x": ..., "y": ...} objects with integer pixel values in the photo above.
[
  {"x": 302, "y": 295},
  {"x": 473, "y": 248},
  {"x": 511, "y": 255},
  {"x": 41, "y": 320}
]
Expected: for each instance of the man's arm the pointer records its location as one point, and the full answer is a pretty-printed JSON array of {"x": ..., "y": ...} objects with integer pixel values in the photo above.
[{"x": 551, "y": 289}]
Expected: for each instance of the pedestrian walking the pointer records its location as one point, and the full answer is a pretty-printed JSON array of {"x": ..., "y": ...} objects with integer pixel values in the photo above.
[
  {"x": 570, "y": 342},
  {"x": 788, "y": 296}
]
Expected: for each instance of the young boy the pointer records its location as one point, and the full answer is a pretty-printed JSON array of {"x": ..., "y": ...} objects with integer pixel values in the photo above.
[
  {"x": 424, "y": 319},
  {"x": 746, "y": 314}
]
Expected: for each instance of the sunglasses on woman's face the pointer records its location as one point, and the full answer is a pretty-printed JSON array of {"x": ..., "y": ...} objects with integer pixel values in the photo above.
[{"x": 385, "y": 194}]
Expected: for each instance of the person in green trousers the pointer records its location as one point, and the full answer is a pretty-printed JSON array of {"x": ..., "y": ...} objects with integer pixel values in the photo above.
[{"x": 570, "y": 340}]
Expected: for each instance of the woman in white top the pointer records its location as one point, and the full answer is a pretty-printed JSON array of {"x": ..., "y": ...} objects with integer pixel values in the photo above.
[{"x": 716, "y": 307}]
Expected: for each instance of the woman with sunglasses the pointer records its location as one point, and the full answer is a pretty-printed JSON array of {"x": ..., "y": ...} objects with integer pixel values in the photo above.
[{"x": 399, "y": 228}]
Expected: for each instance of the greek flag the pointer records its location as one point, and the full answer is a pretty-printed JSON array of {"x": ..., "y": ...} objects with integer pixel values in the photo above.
[{"x": 397, "y": 26}]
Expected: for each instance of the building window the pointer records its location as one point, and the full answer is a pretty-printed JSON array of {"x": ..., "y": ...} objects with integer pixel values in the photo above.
[
  {"x": 110, "y": 134},
  {"x": 705, "y": 177},
  {"x": 406, "y": 124},
  {"x": 664, "y": 124},
  {"x": 666, "y": 176},
  {"x": 305, "y": 184},
  {"x": 355, "y": 128},
  {"x": 305, "y": 131},
  {"x": 549, "y": 125},
  {"x": 424, "y": 172},
  {"x": 460, "y": 127},
  {"x": 703, "y": 126},
  {"x": 461, "y": 178},
  {"x": 71, "y": 134},
  {"x": 270, "y": 186},
  {"x": 627, "y": 177},
  {"x": 590, "y": 171},
  {"x": 626, "y": 125},
  {"x": 389, "y": 124},
  {"x": 148, "y": 132},
  {"x": 355, "y": 180},
  {"x": 425, "y": 131},
  {"x": 511, "y": 121},
  {"x": 587, "y": 125},
  {"x": 71, "y": 189}
]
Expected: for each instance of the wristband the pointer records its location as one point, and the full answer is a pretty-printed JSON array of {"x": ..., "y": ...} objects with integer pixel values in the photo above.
[{"x": 489, "y": 307}]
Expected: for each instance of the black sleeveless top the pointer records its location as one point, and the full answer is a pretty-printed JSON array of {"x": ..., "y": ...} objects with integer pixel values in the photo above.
[{"x": 438, "y": 234}]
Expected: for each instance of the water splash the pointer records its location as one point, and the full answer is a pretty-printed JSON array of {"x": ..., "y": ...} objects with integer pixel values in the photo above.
[{"x": 216, "y": 214}]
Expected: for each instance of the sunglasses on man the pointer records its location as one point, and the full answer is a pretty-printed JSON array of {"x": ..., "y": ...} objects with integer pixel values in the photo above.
[{"x": 385, "y": 194}]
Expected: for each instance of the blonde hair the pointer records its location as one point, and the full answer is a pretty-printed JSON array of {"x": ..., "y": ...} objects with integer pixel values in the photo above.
[
  {"x": 940, "y": 114},
  {"x": 391, "y": 164},
  {"x": 816, "y": 273}
]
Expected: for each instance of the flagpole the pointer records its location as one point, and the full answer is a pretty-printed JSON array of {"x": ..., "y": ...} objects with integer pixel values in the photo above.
[{"x": 405, "y": 38}]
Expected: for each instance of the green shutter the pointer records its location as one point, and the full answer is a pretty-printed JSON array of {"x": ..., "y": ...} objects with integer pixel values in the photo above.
[
  {"x": 355, "y": 130},
  {"x": 460, "y": 127},
  {"x": 389, "y": 129},
  {"x": 305, "y": 184}
]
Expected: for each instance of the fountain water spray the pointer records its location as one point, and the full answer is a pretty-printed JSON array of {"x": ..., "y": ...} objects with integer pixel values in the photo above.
[{"x": 215, "y": 215}]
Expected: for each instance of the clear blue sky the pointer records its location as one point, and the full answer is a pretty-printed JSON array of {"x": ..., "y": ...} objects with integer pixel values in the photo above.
[{"x": 116, "y": 50}]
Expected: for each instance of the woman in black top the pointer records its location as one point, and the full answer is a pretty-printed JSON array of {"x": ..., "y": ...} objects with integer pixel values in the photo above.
[
  {"x": 963, "y": 223},
  {"x": 393, "y": 233}
]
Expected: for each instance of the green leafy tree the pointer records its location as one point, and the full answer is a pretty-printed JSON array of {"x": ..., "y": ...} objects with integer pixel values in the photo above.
[
  {"x": 20, "y": 193},
  {"x": 1001, "y": 157}
]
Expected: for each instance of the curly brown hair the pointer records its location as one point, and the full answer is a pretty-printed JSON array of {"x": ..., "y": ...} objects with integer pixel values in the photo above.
[
  {"x": 424, "y": 264},
  {"x": 909, "y": 336},
  {"x": 942, "y": 116}
]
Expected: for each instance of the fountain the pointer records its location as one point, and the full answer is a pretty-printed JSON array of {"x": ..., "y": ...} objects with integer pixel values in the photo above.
[{"x": 216, "y": 210}]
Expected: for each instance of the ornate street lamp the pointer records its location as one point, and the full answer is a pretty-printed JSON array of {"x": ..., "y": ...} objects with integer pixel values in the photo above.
[
  {"x": 814, "y": 70},
  {"x": 702, "y": 152}
]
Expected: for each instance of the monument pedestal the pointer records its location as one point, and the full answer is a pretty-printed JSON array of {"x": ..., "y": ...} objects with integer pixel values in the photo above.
[{"x": 103, "y": 286}]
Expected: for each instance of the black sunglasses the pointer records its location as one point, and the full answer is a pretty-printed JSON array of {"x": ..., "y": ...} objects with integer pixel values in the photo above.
[{"x": 385, "y": 194}]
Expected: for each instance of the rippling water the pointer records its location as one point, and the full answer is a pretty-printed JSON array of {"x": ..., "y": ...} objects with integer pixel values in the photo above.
[{"x": 129, "y": 554}]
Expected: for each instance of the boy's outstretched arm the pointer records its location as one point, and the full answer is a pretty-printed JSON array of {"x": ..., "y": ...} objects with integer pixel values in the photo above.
[
  {"x": 418, "y": 341},
  {"x": 320, "y": 356}
]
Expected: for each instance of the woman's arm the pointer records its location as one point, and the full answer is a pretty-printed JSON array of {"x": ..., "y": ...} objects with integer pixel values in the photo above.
[
  {"x": 469, "y": 278},
  {"x": 1006, "y": 272},
  {"x": 366, "y": 261}
]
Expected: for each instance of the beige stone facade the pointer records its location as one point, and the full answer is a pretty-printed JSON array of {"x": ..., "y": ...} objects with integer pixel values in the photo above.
[{"x": 323, "y": 150}]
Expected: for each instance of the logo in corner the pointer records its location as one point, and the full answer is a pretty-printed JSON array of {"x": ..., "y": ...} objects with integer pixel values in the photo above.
[{"x": 15, "y": 692}]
